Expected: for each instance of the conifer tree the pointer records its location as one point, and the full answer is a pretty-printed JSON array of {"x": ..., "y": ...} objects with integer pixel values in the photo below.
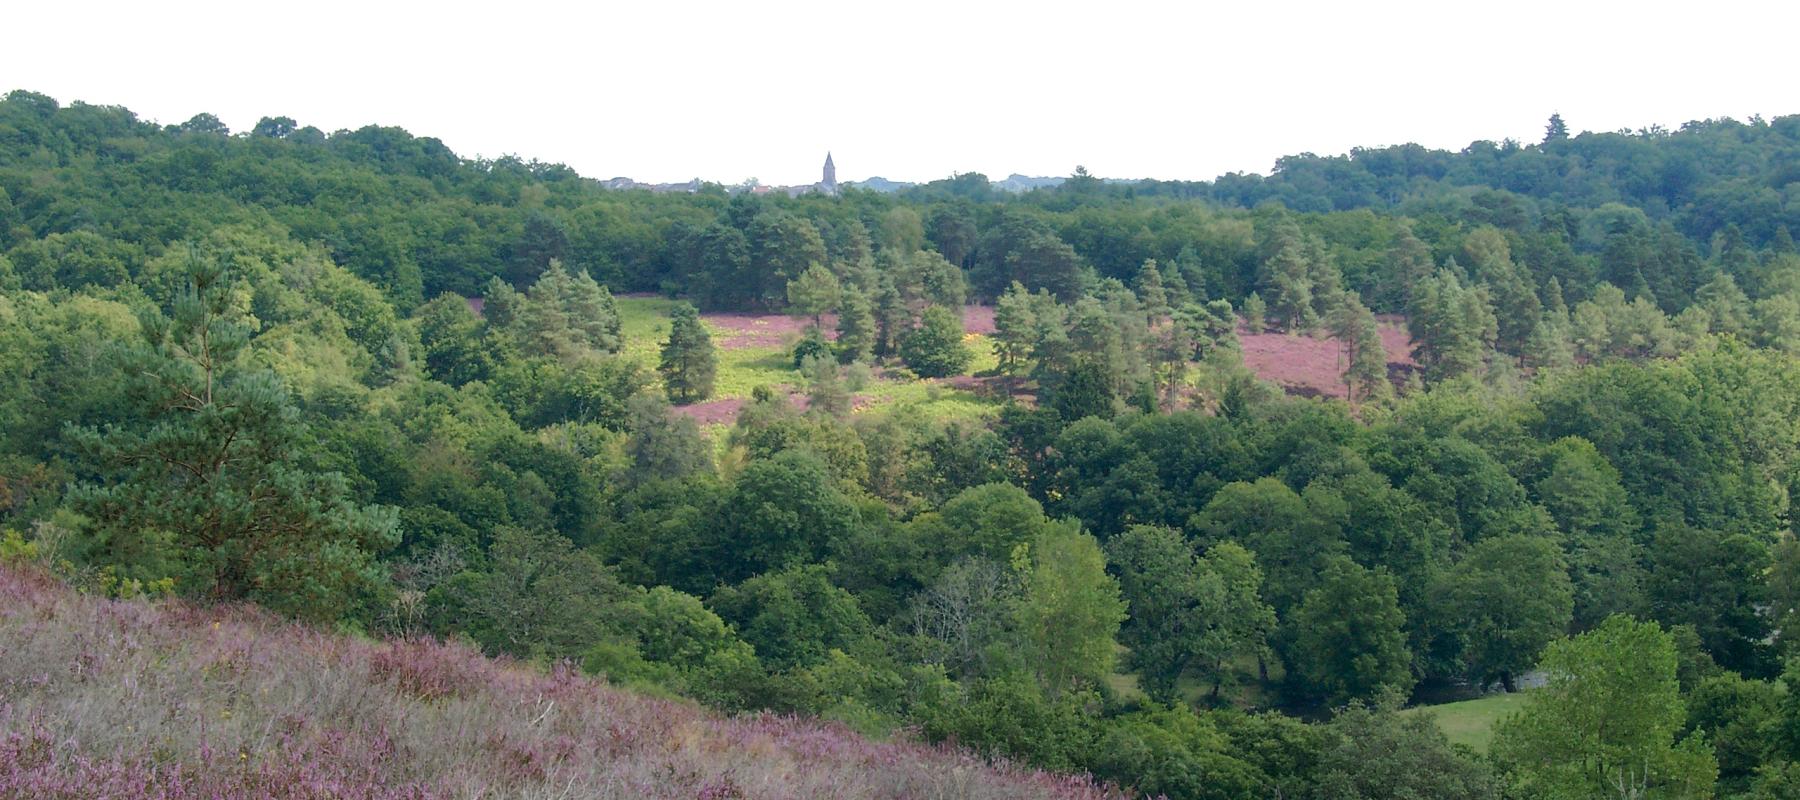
[
  {"x": 1453, "y": 326},
  {"x": 1408, "y": 263},
  {"x": 813, "y": 292},
  {"x": 1014, "y": 328},
  {"x": 1368, "y": 361},
  {"x": 1255, "y": 313},
  {"x": 825, "y": 391},
  {"x": 856, "y": 326},
  {"x": 1327, "y": 282},
  {"x": 1356, "y": 330},
  {"x": 208, "y": 482},
  {"x": 689, "y": 362},
  {"x": 1150, "y": 291},
  {"x": 1550, "y": 346},
  {"x": 1288, "y": 281},
  {"x": 892, "y": 318}
]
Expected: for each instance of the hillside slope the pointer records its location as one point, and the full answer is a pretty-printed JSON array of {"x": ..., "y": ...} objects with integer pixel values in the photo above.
[{"x": 103, "y": 698}]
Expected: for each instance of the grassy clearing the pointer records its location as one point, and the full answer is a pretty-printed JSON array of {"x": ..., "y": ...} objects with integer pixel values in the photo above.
[
  {"x": 1471, "y": 722},
  {"x": 644, "y": 322}
]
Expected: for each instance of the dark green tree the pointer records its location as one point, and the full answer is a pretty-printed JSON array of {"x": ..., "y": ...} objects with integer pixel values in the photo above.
[
  {"x": 1349, "y": 637},
  {"x": 855, "y": 326},
  {"x": 689, "y": 361},
  {"x": 1507, "y": 599},
  {"x": 209, "y": 481},
  {"x": 1187, "y": 612},
  {"x": 935, "y": 349}
]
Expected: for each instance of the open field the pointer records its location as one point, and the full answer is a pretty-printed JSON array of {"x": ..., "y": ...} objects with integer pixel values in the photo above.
[
  {"x": 1314, "y": 367},
  {"x": 1471, "y": 722},
  {"x": 753, "y": 352}
]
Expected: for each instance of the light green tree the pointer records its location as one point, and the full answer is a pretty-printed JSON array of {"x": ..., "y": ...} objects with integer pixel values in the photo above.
[
  {"x": 1608, "y": 724},
  {"x": 1069, "y": 611},
  {"x": 813, "y": 292}
]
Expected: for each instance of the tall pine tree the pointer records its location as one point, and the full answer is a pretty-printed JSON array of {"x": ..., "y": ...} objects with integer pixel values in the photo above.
[{"x": 689, "y": 363}]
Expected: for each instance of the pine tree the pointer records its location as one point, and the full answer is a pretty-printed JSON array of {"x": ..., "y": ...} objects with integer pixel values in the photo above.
[
  {"x": 592, "y": 311},
  {"x": 689, "y": 362},
  {"x": 1014, "y": 328},
  {"x": 1150, "y": 291},
  {"x": 825, "y": 391},
  {"x": 568, "y": 316},
  {"x": 1255, "y": 313},
  {"x": 892, "y": 318},
  {"x": 1556, "y": 130},
  {"x": 1549, "y": 346},
  {"x": 856, "y": 326},
  {"x": 1327, "y": 282},
  {"x": 1408, "y": 263},
  {"x": 1354, "y": 326},
  {"x": 1368, "y": 374},
  {"x": 1287, "y": 279},
  {"x": 1726, "y": 306},
  {"x": 1175, "y": 286},
  {"x": 813, "y": 292},
  {"x": 1452, "y": 326},
  {"x": 207, "y": 481},
  {"x": 1516, "y": 306}
]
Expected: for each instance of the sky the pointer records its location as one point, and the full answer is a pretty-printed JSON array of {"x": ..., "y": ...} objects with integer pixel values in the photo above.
[{"x": 667, "y": 90}]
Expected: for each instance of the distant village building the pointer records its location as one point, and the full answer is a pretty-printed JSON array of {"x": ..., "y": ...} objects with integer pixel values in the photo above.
[{"x": 827, "y": 184}]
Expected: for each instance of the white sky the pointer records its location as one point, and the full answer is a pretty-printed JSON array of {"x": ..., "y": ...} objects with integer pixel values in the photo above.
[{"x": 665, "y": 91}]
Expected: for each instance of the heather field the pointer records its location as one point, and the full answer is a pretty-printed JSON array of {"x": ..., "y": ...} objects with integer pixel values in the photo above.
[
  {"x": 166, "y": 701},
  {"x": 1314, "y": 366}
]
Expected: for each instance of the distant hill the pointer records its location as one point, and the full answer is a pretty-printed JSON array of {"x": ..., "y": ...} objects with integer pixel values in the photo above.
[
  {"x": 880, "y": 184},
  {"x": 1025, "y": 183},
  {"x": 135, "y": 699}
]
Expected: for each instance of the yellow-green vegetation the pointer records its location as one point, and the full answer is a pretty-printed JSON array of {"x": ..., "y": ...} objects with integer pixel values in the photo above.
[
  {"x": 1471, "y": 722},
  {"x": 644, "y": 324}
]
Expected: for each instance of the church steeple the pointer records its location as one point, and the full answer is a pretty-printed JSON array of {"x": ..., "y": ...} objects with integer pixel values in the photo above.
[{"x": 829, "y": 184}]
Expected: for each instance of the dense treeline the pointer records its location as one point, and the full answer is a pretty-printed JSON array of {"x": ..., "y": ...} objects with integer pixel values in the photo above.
[{"x": 245, "y": 367}]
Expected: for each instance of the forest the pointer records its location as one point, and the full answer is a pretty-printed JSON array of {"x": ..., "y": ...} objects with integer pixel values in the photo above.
[{"x": 358, "y": 381}]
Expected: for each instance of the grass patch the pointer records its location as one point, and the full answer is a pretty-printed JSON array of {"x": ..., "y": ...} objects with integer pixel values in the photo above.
[
  {"x": 644, "y": 324},
  {"x": 1471, "y": 722}
]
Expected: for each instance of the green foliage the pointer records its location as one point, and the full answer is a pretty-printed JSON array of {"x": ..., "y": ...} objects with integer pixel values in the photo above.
[
  {"x": 856, "y": 327},
  {"x": 1349, "y": 638},
  {"x": 1379, "y": 753},
  {"x": 935, "y": 349},
  {"x": 813, "y": 292},
  {"x": 1453, "y": 326},
  {"x": 794, "y": 617},
  {"x": 1507, "y": 599},
  {"x": 1187, "y": 612},
  {"x": 1069, "y": 609},
  {"x": 689, "y": 363},
  {"x": 915, "y": 562},
  {"x": 209, "y": 484},
  {"x": 540, "y": 597},
  {"x": 1607, "y": 722}
]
